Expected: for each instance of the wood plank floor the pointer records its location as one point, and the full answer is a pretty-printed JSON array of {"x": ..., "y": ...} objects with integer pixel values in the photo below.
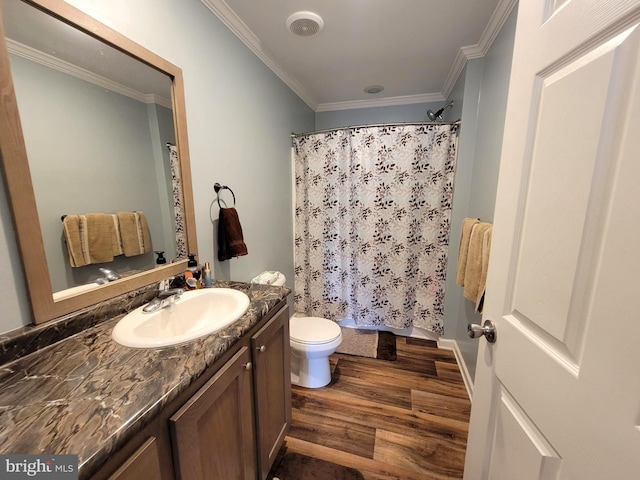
[{"x": 407, "y": 419}]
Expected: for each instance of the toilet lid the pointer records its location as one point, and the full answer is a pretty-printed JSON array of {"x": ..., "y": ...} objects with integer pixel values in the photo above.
[{"x": 313, "y": 330}]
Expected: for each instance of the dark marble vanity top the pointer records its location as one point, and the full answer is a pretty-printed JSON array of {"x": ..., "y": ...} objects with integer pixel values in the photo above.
[{"x": 87, "y": 395}]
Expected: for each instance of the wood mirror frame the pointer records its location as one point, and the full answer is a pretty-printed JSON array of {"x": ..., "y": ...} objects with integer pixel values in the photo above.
[{"x": 19, "y": 185}]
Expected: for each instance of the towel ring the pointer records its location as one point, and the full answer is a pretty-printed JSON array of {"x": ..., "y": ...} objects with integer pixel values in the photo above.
[{"x": 217, "y": 187}]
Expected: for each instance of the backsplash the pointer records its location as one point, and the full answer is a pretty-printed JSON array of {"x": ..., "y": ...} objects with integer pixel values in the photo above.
[{"x": 31, "y": 338}]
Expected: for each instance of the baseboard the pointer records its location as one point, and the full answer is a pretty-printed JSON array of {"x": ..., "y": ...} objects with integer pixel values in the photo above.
[{"x": 450, "y": 344}]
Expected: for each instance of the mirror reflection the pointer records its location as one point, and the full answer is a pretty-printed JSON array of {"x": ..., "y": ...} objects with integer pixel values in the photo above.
[{"x": 96, "y": 125}]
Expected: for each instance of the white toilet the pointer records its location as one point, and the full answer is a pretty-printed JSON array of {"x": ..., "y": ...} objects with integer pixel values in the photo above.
[{"x": 313, "y": 339}]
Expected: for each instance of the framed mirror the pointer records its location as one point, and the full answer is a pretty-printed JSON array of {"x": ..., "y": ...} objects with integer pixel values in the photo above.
[{"x": 87, "y": 119}]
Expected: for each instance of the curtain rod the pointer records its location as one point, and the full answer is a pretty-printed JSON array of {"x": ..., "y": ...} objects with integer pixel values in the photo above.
[{"x": 294, "y": 135}]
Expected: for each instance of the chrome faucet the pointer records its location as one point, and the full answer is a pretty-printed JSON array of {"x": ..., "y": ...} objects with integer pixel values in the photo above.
[
  {"x": 164, "y": 299},
  {"x": 109, "y": 276}
]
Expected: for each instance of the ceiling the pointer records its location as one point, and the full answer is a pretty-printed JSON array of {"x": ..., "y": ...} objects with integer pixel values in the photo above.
[{"x": 415, "y": 49}]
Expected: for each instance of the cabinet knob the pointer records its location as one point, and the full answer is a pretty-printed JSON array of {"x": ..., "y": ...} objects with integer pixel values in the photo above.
[
  {"x": 248, "y": 365},
  {"x": 261, "y": 348}
]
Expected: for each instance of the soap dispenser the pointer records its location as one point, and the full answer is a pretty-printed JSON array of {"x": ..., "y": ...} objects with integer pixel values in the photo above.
[
  {"x": 192, "y": 266},
  {"x": 192, "y": 263},
  {"x": 160, "y": 260}
]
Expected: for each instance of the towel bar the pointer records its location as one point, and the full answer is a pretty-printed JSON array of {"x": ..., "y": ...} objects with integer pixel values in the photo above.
[{"x": 217, "y": 187}]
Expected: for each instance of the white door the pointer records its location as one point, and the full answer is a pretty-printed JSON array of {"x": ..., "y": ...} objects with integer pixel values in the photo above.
[{"x": 558, "y": 395}]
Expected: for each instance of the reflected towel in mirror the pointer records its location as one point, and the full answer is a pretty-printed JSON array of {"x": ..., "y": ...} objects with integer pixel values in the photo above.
[
  {"x": 134, "y": 233},
  {"x": 91, "y": 238}
]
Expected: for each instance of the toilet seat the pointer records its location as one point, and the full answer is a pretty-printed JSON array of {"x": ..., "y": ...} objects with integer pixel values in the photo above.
[{"x": 313, "y": 330}]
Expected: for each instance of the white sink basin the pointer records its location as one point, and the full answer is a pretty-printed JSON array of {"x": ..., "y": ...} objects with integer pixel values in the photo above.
[{"x": 197, "y": 313}]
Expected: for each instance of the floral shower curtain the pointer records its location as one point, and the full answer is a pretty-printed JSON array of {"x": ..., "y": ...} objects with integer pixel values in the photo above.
[
  {"x": 372, "y": 213},
  {"x": 176, "y": 182}
]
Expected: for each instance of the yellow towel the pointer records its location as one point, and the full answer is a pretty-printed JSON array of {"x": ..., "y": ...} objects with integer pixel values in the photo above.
[
  {"x": 465, "y": 235},
  {"x": 91, "y": 238},
  {"x": 486, "y": 250},
  {"x": 144, "y": 237},
  {"x": 473, "y": 270},
  {"x": 117, "y": 246},
  {"x": 71, "y": 227},
  {"x": 128, "y": 232},
  {"x": 134, "y": 233}
]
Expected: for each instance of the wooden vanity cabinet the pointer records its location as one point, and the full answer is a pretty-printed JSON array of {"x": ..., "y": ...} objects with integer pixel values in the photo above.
[
  {"x": 213, "y": 433},
  {"x": 272, "y": 380},
  {"x": 229, "y": 424}
]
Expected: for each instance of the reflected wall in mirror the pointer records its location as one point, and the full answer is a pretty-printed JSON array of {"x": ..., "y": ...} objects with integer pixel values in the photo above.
[
  {"x": 95, "y": 124},
  {"x": 97, "y": 113}
]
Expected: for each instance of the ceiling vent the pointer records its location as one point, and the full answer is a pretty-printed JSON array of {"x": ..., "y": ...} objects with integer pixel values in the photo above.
[
  {"x": 305, "y": 24},
  {"x": 373, "y": 89}
]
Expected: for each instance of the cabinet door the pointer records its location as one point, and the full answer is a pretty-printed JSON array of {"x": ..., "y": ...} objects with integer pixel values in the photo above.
[
  {"x": 213, "y": 433},
  {"x": 144, "y": 463},
  {"x": 272, "y": 379}
]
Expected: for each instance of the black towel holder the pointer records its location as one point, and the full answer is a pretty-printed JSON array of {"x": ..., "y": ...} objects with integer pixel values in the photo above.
[{"x": 217, "y": 187}]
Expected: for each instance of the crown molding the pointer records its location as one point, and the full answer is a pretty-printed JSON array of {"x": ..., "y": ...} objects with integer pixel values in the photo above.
[
  {"x": 47, "y": 60},
  {"x": 240, "y": 29},
  {"x": 381, "y": 102},
  {"x": 499, "y": 16},
  {"x": 158, "y": 100}
]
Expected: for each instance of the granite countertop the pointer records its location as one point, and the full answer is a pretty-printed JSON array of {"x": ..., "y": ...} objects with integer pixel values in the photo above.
[{"x": 87, "y": 394}]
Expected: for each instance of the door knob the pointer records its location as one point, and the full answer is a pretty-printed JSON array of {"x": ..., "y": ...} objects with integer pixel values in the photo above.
[
  {"x": 488, "y": 329},
  {"x": 261, "y": 348},
  {"x": 247, "y": 366}
]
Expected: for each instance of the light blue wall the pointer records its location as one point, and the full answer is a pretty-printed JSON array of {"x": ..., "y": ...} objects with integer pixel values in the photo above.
[
  {"x": 416, "y": 112},
  {"x": 239, "y": 117},
  {"x": 468, "y": 88},
  {"x": 486, "y": 86}
]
